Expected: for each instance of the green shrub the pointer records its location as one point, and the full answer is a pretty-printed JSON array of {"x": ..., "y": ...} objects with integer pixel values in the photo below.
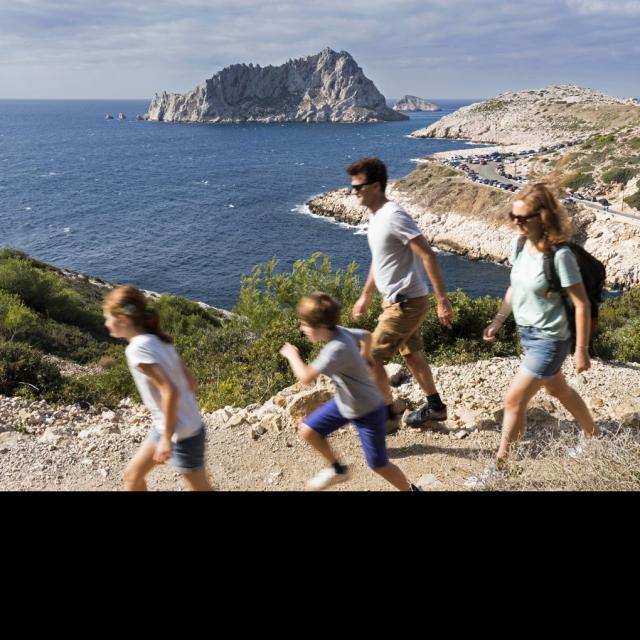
[
  {"x": 579, "y": 181},
  {"x": 618, "y": 335},
  {"x": 619, "y": 175},
  {"x": 23, "y": 369},
  {"x": 104, "y": 389},
  {"x": 634, "y": 200},
  {"x": 47, "y": 293},
  {"x": 15, "y": 318}
]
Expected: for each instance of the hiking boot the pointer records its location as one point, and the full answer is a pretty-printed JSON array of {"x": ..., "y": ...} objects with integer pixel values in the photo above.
[
  {"x": 326, "y": 478},
  {"x": 425, "y": 413}
]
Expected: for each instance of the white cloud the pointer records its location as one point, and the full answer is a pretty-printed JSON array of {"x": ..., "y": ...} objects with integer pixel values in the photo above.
[
  {"x": 606, "y": 7},
  {"x": 175, "y": 44}
]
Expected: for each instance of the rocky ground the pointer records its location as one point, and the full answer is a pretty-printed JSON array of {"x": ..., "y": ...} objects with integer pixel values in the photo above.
[{"x": 257, "y": 447}]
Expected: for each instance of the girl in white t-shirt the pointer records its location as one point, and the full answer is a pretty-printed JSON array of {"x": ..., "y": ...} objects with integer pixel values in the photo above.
[{"x": 167, "y": 389}]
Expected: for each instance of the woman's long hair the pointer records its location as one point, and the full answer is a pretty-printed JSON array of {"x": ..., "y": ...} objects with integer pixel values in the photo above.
[
  {"x": 131, "y": 302},
  {"x": 542, "y": 196}
]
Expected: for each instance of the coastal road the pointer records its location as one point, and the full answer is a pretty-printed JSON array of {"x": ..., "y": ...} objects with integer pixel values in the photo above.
[
  {"x": 628, "y": 217},
  {"x": 490, "y": 171}
]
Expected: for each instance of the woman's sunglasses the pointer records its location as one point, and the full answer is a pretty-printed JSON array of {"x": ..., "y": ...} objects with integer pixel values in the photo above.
[{"x": 523, "y": 219}]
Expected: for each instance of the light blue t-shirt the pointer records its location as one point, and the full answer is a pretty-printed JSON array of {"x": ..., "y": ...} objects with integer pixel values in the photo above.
[
  {"x": 340, "y": 359},
  {"x": 531, "y": 305}
]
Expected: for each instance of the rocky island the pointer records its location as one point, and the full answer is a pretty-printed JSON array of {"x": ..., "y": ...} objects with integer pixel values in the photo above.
[
  {"x": 326, "y": 87},
  {"x": 413, "y": 103}
]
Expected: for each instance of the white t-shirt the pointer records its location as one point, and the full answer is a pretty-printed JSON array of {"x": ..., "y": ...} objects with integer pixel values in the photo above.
[
  {"x": 147, "y": 348},
  {"x": 397, "y": 270}
]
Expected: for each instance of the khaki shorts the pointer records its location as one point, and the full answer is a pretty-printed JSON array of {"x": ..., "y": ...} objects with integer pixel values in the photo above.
[{"x": 398, "y": 328}]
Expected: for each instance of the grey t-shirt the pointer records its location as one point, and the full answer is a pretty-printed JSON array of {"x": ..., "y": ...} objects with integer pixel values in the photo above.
[
  {"x": 340, "y": 359},
  {"x": 397, "y": 270}
]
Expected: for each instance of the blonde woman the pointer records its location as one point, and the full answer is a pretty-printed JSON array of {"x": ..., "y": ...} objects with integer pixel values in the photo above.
[{"x": 541, "y": 222}]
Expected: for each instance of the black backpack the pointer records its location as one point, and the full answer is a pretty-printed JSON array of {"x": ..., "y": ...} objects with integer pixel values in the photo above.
[{"x": 593, "y": 276}]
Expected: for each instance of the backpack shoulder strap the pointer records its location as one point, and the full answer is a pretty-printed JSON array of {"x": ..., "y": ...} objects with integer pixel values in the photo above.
[{"x": 550, "y": 273}]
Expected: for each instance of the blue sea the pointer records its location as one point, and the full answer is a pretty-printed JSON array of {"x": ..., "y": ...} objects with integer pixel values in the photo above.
[{"x": 189, "y": 208}]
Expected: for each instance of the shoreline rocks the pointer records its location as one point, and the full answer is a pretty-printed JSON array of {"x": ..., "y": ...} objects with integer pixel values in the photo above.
[{"x": 467, "y": 219}]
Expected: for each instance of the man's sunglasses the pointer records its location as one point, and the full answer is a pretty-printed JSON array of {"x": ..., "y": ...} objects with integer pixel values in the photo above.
[
  {"x": 357, "y": 187},
  {"x": 523, "y": 219}
]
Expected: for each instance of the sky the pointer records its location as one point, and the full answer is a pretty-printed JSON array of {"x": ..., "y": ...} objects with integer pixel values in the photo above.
[{"x": 118, "y": 49}]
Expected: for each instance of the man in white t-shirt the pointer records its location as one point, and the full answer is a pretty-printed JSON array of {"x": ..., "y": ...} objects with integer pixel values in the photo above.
[{"x": 401, "y": 263}]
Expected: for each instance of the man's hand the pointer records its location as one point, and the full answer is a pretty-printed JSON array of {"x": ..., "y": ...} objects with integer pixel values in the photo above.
[
  {"x": 445, "y": 312},
  {"x": 361, "y": 306}
]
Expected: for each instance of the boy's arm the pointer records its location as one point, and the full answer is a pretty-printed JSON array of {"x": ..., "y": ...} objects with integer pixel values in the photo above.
[
  {"x": 302, "y": 371},
  {"x": 365, "y": 346}
]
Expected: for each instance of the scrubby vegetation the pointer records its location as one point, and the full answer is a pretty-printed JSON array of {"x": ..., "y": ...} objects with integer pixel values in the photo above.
[{"x": 235, "y": 360}]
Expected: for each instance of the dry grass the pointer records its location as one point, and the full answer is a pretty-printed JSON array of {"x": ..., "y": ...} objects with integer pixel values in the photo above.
[{"x": 541, "y": 462}]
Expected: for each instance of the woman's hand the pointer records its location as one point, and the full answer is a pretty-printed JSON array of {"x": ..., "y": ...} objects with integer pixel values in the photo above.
[
  {"x": 489, "y": 334},
  {"x": 581, "y": 359}
]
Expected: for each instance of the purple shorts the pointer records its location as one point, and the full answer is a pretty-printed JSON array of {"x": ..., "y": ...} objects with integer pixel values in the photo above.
[{"x": 327, "y": 419}]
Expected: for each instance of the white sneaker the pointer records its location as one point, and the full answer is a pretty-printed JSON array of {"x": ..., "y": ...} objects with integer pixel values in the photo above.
[
  {"x": 582, "y": 449},
  {"x": 489, "y": 477},
  {"x": 325, "y": 478}
]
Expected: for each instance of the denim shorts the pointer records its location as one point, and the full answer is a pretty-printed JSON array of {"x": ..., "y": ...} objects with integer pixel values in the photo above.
[
  {"x": 543, "y": 355},
  {"x": 327, "y": 419},
  {"x": 187, "y": 456}
]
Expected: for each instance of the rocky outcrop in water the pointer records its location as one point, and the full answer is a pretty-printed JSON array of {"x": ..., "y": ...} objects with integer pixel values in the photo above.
[
  {"x": 327, "y": 87},
  {"x": 413, "y": 103}
]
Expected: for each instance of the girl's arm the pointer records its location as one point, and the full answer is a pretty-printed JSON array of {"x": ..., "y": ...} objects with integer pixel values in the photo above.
[
  {"x": 191, "y": 381},
  {"x": 578, "y": 296},
  {"x": 169, "y": 403},
  {"x": 490, "y": 332},
  {"x": 302, "y": 371}
]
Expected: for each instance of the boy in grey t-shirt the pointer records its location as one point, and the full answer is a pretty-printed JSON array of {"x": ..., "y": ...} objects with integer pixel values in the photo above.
[{"x": 357, "y": 398}]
